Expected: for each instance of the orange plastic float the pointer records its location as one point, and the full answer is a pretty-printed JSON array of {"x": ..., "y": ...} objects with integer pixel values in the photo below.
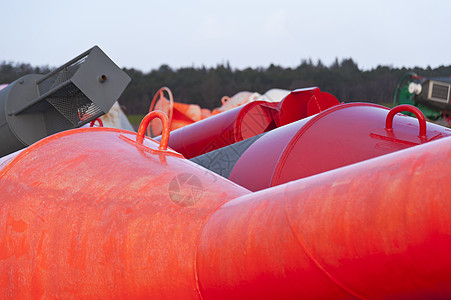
[
  {"x": 182, "y": 114},
  {"x": 179, "y": 114}
]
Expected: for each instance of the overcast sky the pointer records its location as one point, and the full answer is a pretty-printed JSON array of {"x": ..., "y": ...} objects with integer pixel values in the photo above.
[{"x": 146, "y": 34}]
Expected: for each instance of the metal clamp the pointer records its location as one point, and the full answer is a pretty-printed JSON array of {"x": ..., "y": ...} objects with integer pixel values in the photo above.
[
  {"x": 411, "y": 109},
  {"x": 165, "y": 131}
]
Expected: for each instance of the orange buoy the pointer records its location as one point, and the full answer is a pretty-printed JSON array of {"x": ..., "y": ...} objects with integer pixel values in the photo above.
[{"x": 103, "y": 213}]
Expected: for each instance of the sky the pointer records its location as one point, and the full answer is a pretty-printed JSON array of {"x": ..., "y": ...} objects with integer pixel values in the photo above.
[{"x": 147, "y": 34}]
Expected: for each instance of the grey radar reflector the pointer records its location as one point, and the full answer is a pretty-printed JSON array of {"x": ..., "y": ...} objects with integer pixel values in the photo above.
[{"x": 35, "y": 106}]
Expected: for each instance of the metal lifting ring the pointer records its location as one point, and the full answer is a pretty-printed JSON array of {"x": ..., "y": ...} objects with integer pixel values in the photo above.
[
  {"x": 410, "y": 108},
  {"x": 145, "y": 123}
]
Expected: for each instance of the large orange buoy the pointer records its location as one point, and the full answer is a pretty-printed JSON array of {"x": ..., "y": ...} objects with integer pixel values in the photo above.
[{"x": 103, "y": 213}]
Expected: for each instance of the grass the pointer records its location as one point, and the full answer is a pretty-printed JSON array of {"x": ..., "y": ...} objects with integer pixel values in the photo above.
[
  {"x": 389, "y": 105},
  {"x": 135, "y": 120}
]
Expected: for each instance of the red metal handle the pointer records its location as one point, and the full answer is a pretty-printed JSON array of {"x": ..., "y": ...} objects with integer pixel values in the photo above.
[
  {"x": 160, "y": 95},
  {"x": 409, "y": 108},
  {"x": 98, "y": 121},
  {"x": 165, "y": 131}
]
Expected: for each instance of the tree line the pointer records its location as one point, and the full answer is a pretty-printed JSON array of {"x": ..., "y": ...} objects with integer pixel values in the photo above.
[{"x": 206, "y": 86}]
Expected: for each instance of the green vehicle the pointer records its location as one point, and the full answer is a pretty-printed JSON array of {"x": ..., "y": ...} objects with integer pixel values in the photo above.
[{"x": 430, "y": 95}]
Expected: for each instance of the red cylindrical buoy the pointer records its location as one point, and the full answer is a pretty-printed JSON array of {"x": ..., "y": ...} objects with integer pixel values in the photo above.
[
  {"x": 378, "y": 229},
  {"x": 249, "y": 120},
  {"x": 339, "y": 136}
]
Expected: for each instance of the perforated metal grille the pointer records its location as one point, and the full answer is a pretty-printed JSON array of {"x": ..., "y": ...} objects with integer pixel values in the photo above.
[
  {"x": 74, "y": 105},
  {"x": 440, "y": 92},
  {"x": 54, "y": 121},
  {"x": 60, "y": 77}
]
